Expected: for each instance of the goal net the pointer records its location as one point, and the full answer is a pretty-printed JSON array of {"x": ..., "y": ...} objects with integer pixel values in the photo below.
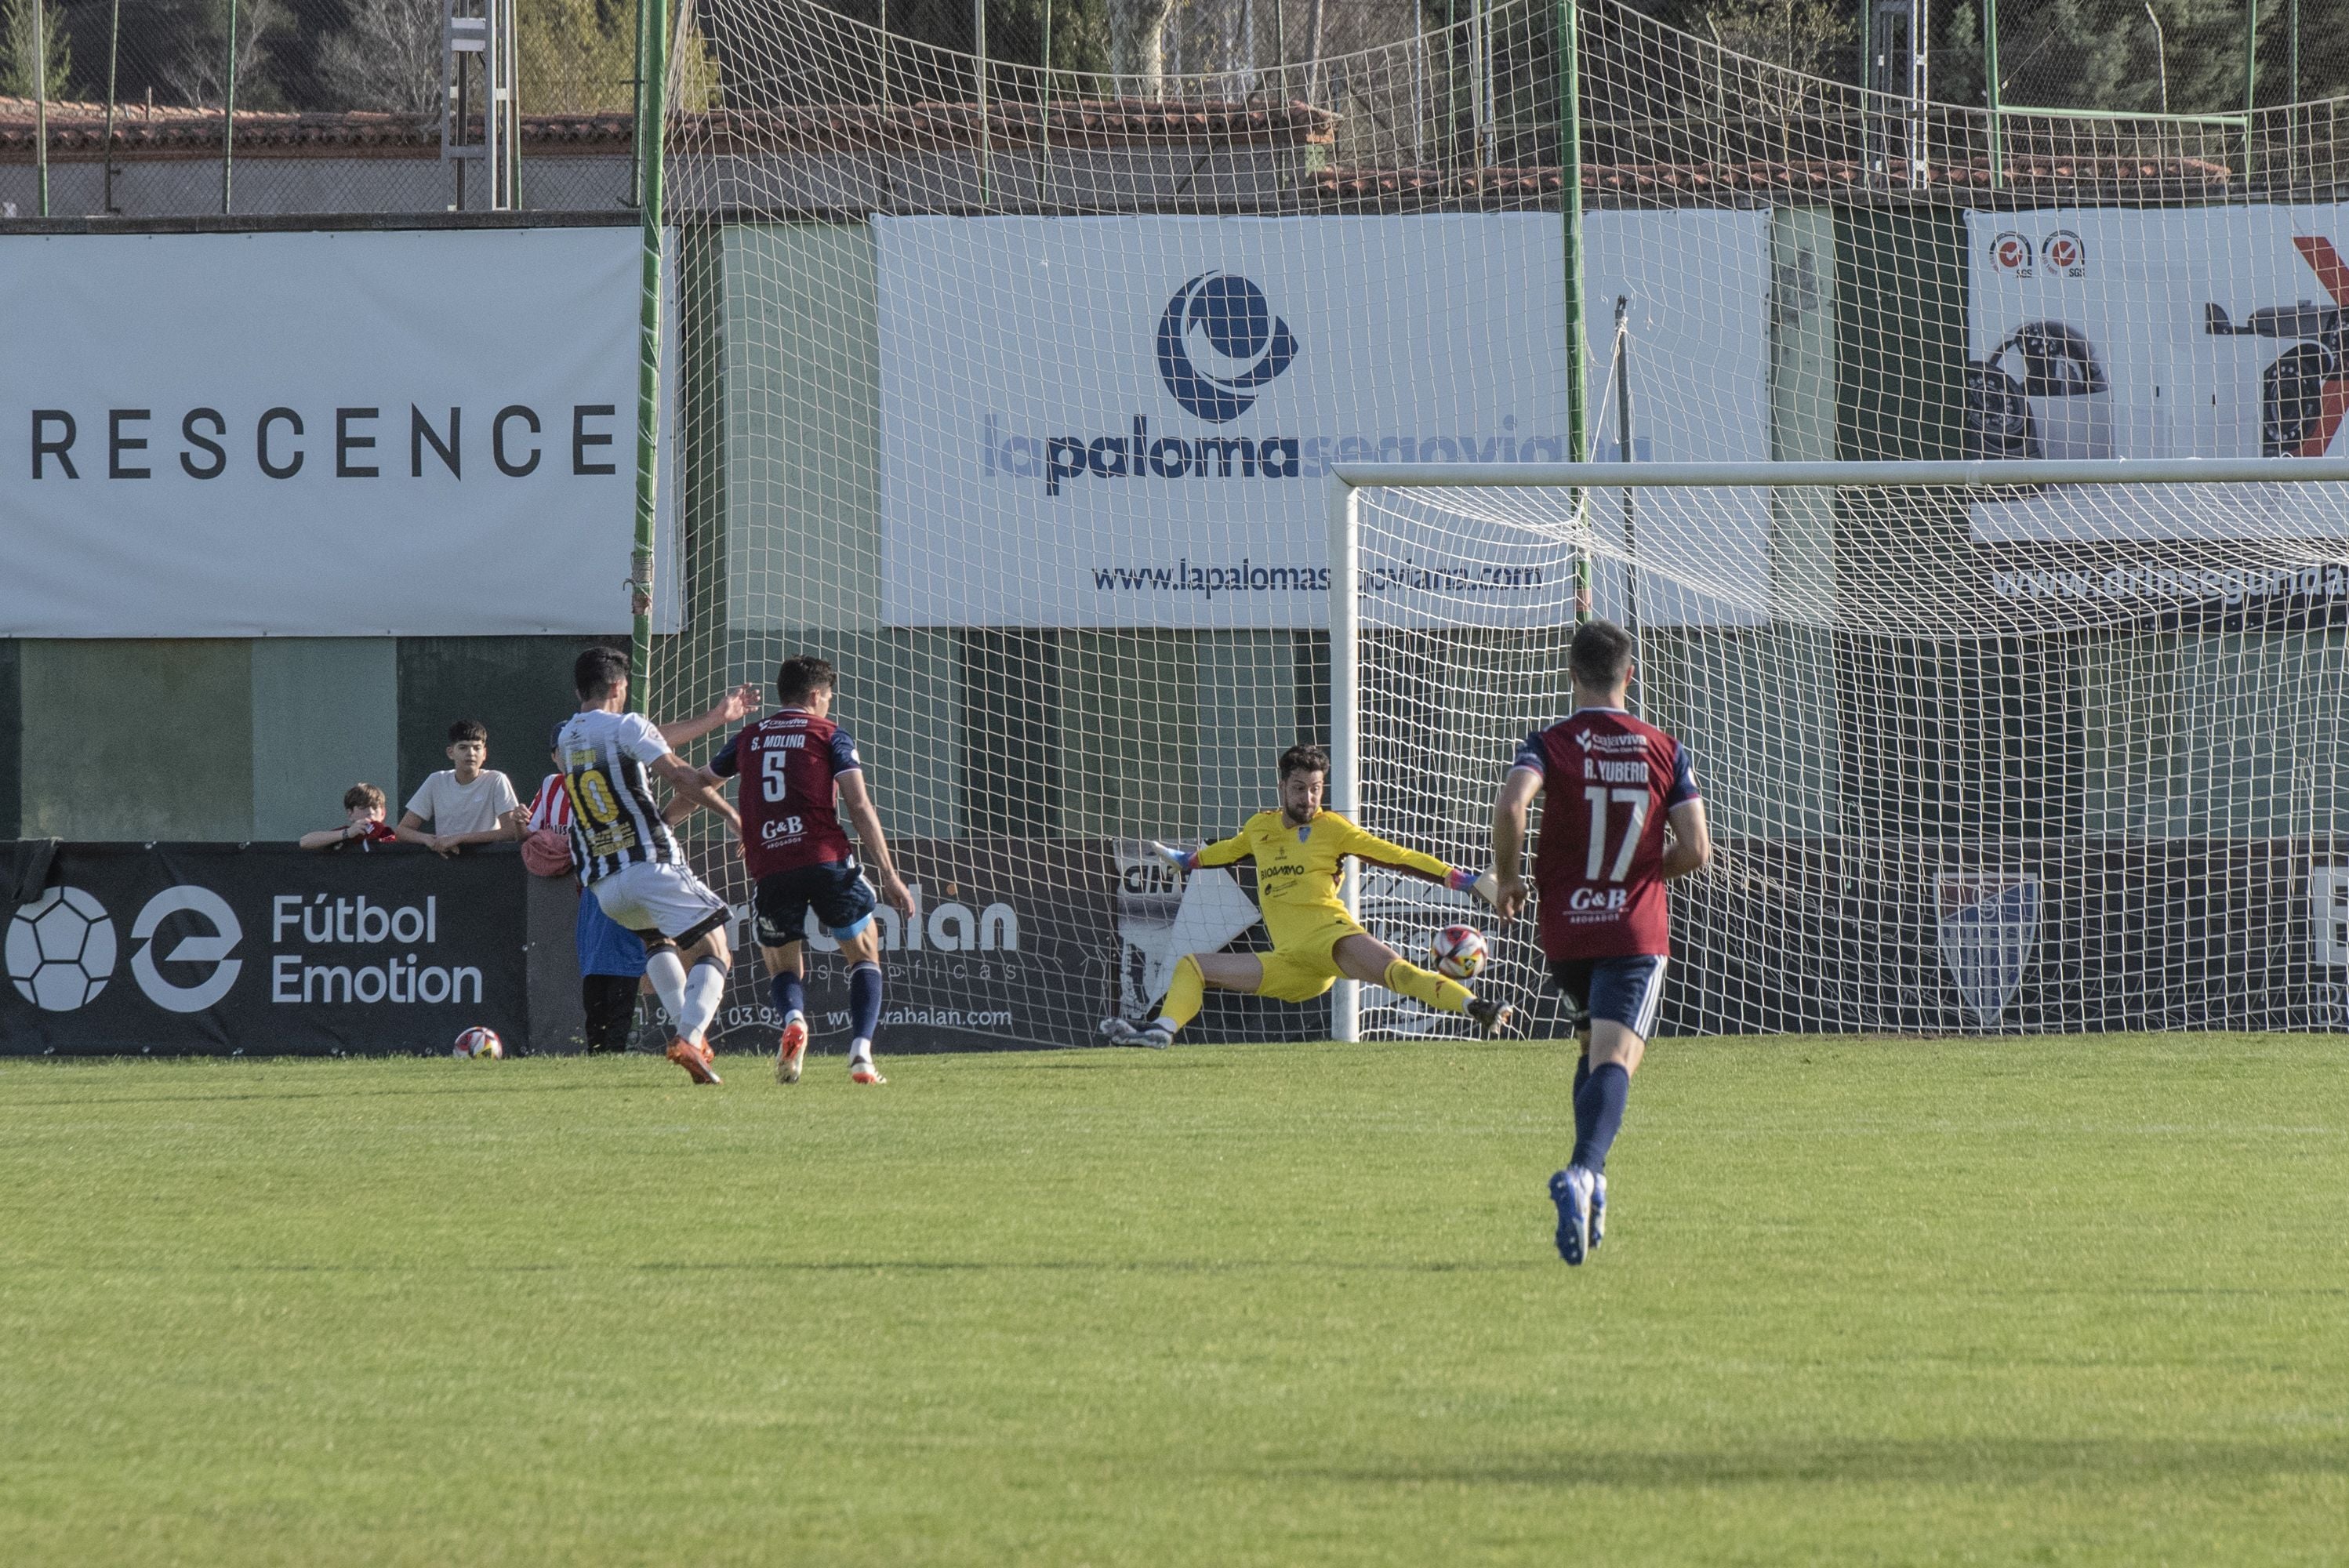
[
  {"x": 1009, "y": 367},
  {"x": 1950, "y": 788}
]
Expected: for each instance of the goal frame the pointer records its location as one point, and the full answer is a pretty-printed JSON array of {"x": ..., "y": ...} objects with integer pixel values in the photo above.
[{"x": 1347, "y": 480}]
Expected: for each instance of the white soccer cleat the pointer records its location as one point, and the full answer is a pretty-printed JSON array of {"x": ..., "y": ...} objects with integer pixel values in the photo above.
[
  {"x": 1118, "y": 1032},
  {"x": 861, "y": 1071}
]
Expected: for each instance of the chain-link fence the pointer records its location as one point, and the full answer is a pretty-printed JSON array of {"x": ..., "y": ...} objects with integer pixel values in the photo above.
[{"x": 338, "y": 103}]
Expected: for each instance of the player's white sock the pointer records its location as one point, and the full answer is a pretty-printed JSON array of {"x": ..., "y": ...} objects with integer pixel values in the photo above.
[
  {"x": 667, "y": 971},
  {"x": 1164, "y": 1021},
  {"x": 860, "y": 1051},
  {"x": 705, "y": 988}
]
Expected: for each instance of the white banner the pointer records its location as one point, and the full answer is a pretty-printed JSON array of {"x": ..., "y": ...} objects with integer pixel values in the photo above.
[
  {"x": 318, "y": 434},
  {"x": 1129, "y": 421},
  {"x": 2208, "y": 332}
]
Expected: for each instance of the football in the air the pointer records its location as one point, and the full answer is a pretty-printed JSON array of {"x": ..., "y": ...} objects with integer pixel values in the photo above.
[
  {"x": 1457, "y": 950},
  {"x": 478, "y": 1041}
]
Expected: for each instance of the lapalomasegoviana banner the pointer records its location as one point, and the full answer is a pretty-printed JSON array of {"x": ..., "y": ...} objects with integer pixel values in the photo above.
[
  {"x": 1129, "y": 421},
  {"x": 318, "y": 434}
]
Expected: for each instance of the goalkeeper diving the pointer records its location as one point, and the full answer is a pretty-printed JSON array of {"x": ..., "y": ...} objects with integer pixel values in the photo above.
[{"x": 1300, "y": 854}]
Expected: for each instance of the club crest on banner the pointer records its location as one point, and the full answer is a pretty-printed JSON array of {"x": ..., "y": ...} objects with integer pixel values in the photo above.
[{"x": 1988, "y": 927}]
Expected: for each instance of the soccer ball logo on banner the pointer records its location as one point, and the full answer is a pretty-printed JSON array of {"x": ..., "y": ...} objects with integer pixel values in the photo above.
[{"x": 61, "y": 950}]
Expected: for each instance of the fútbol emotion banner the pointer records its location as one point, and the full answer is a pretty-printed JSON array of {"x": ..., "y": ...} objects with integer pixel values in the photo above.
[
  {"x": 1129, "y": 421},
  {"x": 428, "y": 432}
]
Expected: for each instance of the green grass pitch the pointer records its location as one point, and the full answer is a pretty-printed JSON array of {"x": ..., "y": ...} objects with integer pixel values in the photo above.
[{"x": 2061, "y": 1300}]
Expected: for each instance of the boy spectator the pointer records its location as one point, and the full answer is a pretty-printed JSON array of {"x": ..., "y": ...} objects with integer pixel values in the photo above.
[
  {"x": 363, "y": 810},
  {"x": 467, "y": 803}
]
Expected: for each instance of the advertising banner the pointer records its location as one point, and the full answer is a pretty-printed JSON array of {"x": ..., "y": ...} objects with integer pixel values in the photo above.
[
  {"x": 267, "y": 949},
  {"x": 1129, "y": 421},
  {"x": 427, "y": 432},
  {"x": 2123, "y": 332}
]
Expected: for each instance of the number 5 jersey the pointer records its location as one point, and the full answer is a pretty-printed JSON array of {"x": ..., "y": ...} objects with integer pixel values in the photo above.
[
  {"x": 1607, "y": 781},
  {"x": 788, "y": 761}
]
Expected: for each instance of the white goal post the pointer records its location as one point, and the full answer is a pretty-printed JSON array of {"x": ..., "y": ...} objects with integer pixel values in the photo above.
[{"x": 2055, "y": 753}]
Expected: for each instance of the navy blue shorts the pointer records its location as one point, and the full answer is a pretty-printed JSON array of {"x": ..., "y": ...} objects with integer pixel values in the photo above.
[
  {"x": 836, "y": 890},
  {"x": 1626, "y": 991}
]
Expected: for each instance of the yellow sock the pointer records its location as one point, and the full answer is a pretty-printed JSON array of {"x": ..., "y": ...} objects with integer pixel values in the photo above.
[
  {"x": 1185, "y": 995},
  {"x": 1444, "y": 995}
]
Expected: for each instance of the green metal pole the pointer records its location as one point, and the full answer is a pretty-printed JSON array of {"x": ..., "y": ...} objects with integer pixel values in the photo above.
[
  {"x": 979, "y": 80},
  {"x": 1044, "y": 112},
  {"x": 228, "y": 114},
  {"x": 1991, "y": 92},
  {"x": 2250, "y": 55},
  {"x": 1867, "y": 79},
  {"x": 41, "y": 102},
  {"x": 113, "y": 51},
  {"x": 1569, "y": 131},
  {"x": 652, "y": 70},
  {"x": 2250, "y": 80}
]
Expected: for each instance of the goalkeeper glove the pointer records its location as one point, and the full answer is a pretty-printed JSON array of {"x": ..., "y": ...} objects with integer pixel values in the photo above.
[{"x": 1184, "y": 860}]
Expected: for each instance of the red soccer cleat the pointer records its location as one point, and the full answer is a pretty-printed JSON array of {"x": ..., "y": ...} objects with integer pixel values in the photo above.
[
  {"x": 694, "y": 1059},
  {"x": 791, "y": 1052}
]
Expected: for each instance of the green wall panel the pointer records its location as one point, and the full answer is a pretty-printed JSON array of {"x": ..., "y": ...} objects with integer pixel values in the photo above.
[
  {"x": 802, "y": 386},
  {"x": 325, "y": 716},
  {"x": 520, "y": 688},
  {"x": 12, "y": 735},
  {"x": 137, "y": 740}
]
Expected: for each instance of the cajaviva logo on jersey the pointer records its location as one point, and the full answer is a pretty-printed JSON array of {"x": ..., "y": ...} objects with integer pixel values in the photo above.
[{"x": 1221, "y": 344}]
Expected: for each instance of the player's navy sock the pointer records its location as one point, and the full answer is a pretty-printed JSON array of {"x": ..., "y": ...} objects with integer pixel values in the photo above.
[
  {"x": 1581, "y": 1076},
  {"x": 1598, "y": 1115},
  {"x": 789, "y": 994},
  {"x": 864, "y": 1000},
  {"x": 1581, "y": 1106}
]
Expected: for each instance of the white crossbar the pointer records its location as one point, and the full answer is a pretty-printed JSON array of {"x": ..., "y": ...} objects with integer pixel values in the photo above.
[{"x": 1967, "y": 473}]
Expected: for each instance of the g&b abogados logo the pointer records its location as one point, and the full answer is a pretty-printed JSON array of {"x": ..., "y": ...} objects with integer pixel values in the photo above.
[{"x": 1218, "y": 343}]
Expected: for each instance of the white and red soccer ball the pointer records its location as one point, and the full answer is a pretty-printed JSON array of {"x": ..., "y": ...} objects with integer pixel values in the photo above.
[
  {"x": 1458, "y": 950},
  {"x": 479, "y": 1041}
]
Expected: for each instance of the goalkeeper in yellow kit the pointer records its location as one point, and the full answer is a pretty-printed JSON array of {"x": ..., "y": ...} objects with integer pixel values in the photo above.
[{"x": 1301, "y": 856}]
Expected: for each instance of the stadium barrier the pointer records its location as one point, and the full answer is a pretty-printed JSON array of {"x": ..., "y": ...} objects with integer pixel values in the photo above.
[{"x": 264, "y": 949}]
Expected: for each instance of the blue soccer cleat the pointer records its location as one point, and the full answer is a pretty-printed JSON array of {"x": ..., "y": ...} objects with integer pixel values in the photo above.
[
  {"x": 1598, "y": 1211},
  {"x": 1570, "y": 1191}
]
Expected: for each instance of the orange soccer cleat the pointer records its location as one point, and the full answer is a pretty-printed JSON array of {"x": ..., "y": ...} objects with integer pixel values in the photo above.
[
  {"x": 694, "y": 1059},
  {"x": 791, "y": 1052}
]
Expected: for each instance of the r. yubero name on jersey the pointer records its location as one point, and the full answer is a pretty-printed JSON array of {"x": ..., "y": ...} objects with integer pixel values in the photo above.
[
  {"x": 787, "y": 762},
  {"x": 1609, "y": 780}
]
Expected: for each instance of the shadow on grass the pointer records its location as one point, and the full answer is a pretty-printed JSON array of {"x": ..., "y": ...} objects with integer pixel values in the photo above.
[{"x": 1953, "y": 1461}]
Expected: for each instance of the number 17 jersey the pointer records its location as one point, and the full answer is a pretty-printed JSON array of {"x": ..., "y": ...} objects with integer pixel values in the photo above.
[{"x": 1607, "y": 783}]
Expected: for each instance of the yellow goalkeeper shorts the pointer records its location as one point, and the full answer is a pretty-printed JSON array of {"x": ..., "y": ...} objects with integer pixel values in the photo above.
[{"x": 1301, "y": 970}]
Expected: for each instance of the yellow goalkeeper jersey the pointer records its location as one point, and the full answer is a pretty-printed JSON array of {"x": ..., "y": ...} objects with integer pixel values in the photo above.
[{"x": 1299, "y": 870}]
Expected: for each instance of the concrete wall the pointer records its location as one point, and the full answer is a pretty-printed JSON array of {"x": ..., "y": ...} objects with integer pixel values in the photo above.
[{"x": 255, "y": 740}]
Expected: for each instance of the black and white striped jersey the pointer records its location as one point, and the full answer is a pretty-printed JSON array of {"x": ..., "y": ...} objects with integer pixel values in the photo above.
[{"x": 615, "y": 820}]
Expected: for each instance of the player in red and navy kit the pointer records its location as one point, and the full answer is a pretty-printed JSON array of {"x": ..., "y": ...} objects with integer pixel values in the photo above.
[
  {"x": 794, "y": 764},
  {"x": 1622, "y": 819}
]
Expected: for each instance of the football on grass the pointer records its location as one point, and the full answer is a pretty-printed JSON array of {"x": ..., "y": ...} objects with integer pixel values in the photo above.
[
  {"x": 1457, "y": 950},
  {"x": 478, "y": 1041}
]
